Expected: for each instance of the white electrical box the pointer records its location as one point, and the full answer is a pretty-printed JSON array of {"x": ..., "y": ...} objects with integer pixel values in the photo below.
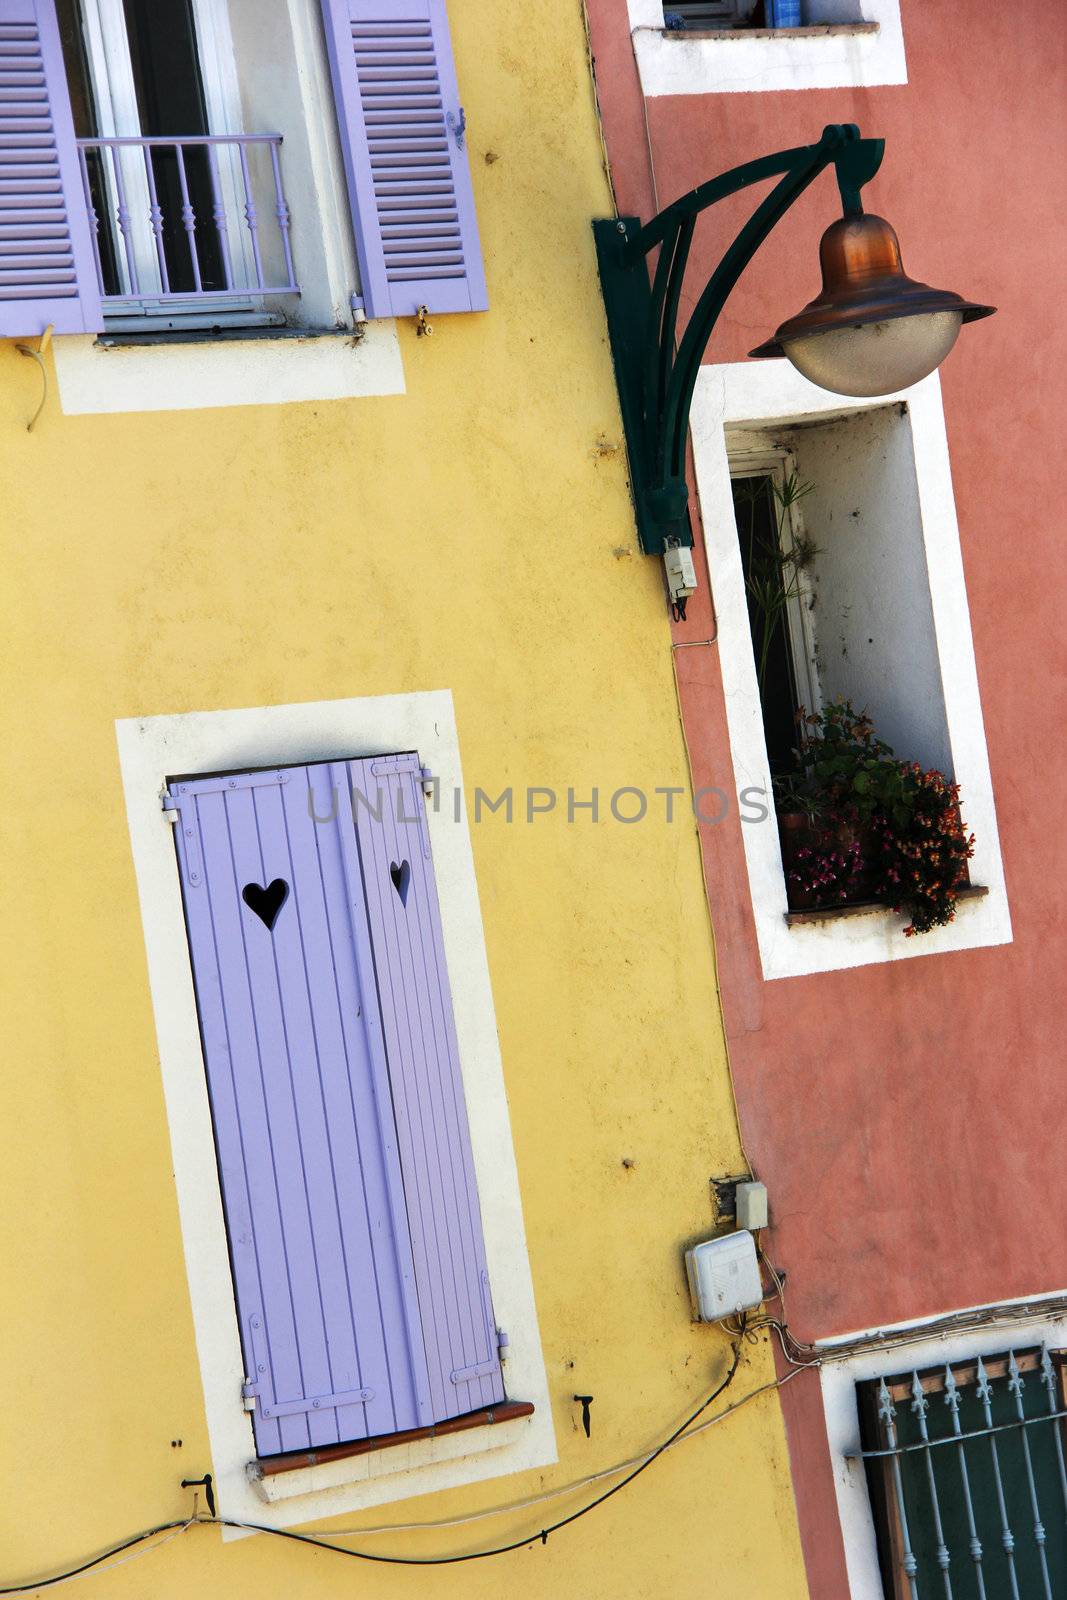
[
  {"x": 751, "y": 1206},
  {"x": 724, "y": 1276}
]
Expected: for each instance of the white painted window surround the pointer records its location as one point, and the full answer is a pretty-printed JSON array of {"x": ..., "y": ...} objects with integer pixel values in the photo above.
[
  {"x": 150, "y": 749},
  {"x": 94, "y": 379},
  {"x": 838, "y": 1378},
  {"x": 265, "y": 70},
  {"x": 832, "y": 58},
  {"x": 758, "y": 396}
]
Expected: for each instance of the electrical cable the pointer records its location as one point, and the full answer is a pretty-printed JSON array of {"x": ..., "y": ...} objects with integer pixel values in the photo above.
[
  {"x": 96, "y": 1561},
  {"x": 543, "y": 1534}
]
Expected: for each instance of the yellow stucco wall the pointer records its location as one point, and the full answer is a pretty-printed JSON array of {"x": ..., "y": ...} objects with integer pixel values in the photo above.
[{"x": 463, "y": 535}]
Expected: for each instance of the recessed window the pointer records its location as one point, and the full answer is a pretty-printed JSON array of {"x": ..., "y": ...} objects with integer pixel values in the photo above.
[
  {"x": 836, "y": 580},
  {"x": 867, "y": 605}
]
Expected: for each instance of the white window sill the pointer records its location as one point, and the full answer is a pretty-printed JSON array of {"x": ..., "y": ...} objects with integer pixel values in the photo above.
[
  {"x": 408, "y": 1459},
  {"x": 855, "y": 55},
  {"x": 179, "y": 373},
  {"x": 818, "y": 916}
]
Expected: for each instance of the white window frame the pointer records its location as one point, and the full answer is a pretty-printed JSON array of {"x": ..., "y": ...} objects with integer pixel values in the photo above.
[
  {"x": 749, "y": 461},
  {"x": 833, "y": 56},
  {"x": 1046, "y": 1324},
  {"x": 149, "y": 750},
  {"x": 114, "y": 92},
  {"x": 772, "y": 394}
]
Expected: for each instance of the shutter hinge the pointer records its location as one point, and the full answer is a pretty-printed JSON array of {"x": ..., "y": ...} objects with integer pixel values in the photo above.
[
  {"x": 249, "y": 1392},
  {"x": 171, "y": 808},
  {"x": 503, "y": 1343},
  {"x": 457, "y": 126}
]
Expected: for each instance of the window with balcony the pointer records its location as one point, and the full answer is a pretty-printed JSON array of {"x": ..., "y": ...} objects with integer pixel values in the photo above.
[
  {"x": 189, "y": 218},
  {"x": 212, "y": 163}
]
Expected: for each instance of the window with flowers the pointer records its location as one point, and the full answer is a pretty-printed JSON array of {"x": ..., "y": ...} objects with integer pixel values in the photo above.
[{"x": 831, "y": 544}]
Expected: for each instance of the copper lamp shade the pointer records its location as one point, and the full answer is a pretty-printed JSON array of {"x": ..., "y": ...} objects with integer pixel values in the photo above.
[{"x": 872, "y": 330}]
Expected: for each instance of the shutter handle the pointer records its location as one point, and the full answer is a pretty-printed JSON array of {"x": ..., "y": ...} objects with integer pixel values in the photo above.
[{"x": 457, "y": 126}]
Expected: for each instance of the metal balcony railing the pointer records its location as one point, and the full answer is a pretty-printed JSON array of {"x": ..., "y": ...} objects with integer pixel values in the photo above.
[{"x": 178, "y": 219}]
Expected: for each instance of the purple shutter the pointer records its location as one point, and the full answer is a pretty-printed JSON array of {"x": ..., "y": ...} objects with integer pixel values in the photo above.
[
  {"x": 404, "y": 139},
  {"x": 307, "y": 1150},
  {"x": 47, "y": 266},
  {"x": 428, "y": 1099}
]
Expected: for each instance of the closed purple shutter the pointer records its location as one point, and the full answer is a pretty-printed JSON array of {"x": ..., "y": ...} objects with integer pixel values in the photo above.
[
  {"x": 431, "y": 1116},
  {"x": 306, "y": 1143},
  {"x": 404, "y": 139},
  {"x": 47, "y": 266},
  {"x": 340, "y": 1126}
]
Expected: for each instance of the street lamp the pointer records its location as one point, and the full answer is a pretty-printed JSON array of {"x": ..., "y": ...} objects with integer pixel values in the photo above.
[{"x": 871, "y": 330}]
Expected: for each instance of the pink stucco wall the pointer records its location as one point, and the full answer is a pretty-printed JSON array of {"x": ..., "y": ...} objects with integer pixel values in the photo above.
[{"x": 908, "y": 1117}]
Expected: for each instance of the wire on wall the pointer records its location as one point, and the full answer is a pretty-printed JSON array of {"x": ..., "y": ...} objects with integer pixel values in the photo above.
[{"x": 150, "y": 1538}]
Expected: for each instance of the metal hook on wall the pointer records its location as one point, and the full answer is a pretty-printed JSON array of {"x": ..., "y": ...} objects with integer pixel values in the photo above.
[{"x": 38, "y": 355}]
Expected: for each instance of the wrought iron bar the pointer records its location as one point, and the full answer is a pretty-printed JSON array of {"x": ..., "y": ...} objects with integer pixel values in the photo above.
[
  {"x": 952, "y": 1400},
  {"x": 920, "y": 1406},
  {"x": 1049, "y": 1379},
  {"x": 1007, "y": 1538},
  {"x": 281, "y": 211},
  {"x": 887, "y": 1414},
  {"x": 188, "y": 218},
  {"x": 1015, "y": 1385},
  {"x": 122, "y": 212},
  {"x": 218, "y": 212},
  {"x": 976, "y": 1433},
  {"x": 94, "y": 220},
  {"x": 155, "y": 215},
  {"x": 241, "y": 279},
  {"x": 250, "y": 215}
]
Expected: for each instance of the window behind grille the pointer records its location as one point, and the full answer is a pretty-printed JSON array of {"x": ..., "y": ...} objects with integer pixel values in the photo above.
[{"x": 967, "y": 1495}]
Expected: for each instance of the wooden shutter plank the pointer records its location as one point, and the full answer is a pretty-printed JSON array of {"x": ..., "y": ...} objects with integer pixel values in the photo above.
[
  {"x": 241, "y": 1114},
  {"x": 367, "y": 1320},
  {"x": 405, "y": 156},
  {"x": 314, "y": 1061},
  {"x": 428, "y": 1095},
  {"x": 297, "y": 1138},
  {"x": 48, "y": 274}
]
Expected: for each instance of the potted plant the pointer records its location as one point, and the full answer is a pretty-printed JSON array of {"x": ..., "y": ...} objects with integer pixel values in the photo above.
[
  {"x": 921, "y": 865},
  {"x": 858, "y": 824}
]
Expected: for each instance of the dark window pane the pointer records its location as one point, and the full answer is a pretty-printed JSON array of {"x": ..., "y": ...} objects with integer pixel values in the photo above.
[
  {"x": 170, "y": 100},
  {"x": 757, "y": 514}
]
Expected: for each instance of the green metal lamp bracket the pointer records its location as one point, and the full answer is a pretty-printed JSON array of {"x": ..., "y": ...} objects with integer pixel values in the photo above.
[{"x": 656, "y": 371}]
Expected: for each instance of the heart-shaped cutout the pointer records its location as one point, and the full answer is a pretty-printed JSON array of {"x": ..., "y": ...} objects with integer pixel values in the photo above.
[
  {"x": 401, "y": 876},
  {"x": 268, "y": 902}
]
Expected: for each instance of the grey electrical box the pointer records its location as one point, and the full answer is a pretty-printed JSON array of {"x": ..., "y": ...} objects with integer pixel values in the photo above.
[
  {"x": 723, "y": 1276},
  {"x": 751, "y": 1206}
]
